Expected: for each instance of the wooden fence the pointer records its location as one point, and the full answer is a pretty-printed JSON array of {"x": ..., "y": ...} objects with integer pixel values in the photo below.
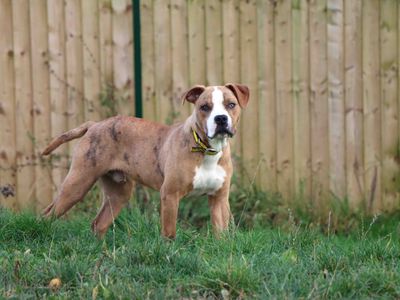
[
  {"x": 323, "y": 119},
  {"x": 61, "y": 62}
]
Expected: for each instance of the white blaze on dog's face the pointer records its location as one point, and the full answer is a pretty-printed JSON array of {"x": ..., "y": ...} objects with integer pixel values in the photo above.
[{"x": 219, "y": 116}]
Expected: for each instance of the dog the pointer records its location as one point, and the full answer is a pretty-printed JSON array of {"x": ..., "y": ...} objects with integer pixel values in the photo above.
[{"x": 189, "y": 158}]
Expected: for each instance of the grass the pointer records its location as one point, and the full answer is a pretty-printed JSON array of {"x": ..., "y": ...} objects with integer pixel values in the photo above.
[{"x": 292, "y": 260}]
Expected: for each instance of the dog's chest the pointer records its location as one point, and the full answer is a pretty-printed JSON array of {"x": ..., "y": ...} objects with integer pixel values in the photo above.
[{"x": 209, "y": 176}]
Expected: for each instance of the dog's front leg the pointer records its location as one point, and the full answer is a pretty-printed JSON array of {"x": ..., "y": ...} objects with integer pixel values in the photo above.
[
  {"x": 169, "y": 213},
  {"x": 220, "y": 210}
]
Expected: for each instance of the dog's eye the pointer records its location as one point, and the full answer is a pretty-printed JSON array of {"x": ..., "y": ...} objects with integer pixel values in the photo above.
[
  {"x": 205, "y": 107},
  {"x": 231, "y": 105}
]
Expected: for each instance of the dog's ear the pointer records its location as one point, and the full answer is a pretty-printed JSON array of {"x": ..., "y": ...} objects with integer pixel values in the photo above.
[
  {"x": 193, "y": 94},
  {"x": 241, "y": 92}
]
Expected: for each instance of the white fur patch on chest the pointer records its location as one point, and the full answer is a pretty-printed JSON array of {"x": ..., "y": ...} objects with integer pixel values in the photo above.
[{"x": 209, "y": 176}]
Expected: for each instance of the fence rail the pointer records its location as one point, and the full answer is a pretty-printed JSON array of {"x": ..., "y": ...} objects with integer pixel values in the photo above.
[{"x": 323, "y": 119}]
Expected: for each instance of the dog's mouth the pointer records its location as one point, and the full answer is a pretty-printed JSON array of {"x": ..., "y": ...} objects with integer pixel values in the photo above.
[{"x": 222, "y": 132}]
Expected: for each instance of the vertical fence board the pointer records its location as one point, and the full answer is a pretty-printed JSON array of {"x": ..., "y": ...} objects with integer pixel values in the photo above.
[
  {"x": 213, "y": 26},
  {"x": 301, "y": 102},
  {"x": 353, "y": 105},
  {"x": 23, "y": 108},
  {"x": 106, "y": 42},
  {"x": 74, "y": 65},
  {"x": 123, "y": 56},
  {"x": 91, "y": 58},
  {"x": 372, "y": 108},
  {"x": 41, "y": 98},
  {"x": 266, "y": 94},
  {"x": 319, "y": 103},
  {"x": 180, "y": 56},
  {"x": 389, "y": 94},
  {"x": 147, "y": 41},
  {"x": 197, "y": 42},
  {"x": 231, "y": 55},
  {"x": 106, "y": 59},
  {"x": 58, "y": 89},
  {"x": 7, "y": 107},
  {"x": 284, "y": 103},
  {"x": 163, "y": 61},
  {"x": 230, "y": 41},
  {"x": 248, "y": 72},
  {"x": 337, "y": 159}
]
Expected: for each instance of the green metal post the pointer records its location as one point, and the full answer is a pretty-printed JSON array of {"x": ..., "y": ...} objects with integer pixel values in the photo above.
[{"x": 137, "y": 58}]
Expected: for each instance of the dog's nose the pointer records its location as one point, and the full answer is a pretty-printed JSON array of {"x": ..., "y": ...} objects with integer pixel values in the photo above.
[{"x": 221, "y": 120}]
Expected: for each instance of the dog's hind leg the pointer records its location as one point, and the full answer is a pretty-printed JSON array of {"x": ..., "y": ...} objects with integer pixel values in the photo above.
[
  {"x": 73, "y": 190},
  {"x": 116, "y": 195}
]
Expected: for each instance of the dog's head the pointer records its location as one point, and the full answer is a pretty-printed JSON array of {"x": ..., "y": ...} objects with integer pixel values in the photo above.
[{"x": 217, "y": 108}]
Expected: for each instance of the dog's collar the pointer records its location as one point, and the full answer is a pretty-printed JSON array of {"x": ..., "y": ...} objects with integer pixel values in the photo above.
[{"x": 201, "y": 146}]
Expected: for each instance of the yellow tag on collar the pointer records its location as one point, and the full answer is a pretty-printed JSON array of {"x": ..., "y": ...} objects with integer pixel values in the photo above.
[{"x": 201, "y": 146}]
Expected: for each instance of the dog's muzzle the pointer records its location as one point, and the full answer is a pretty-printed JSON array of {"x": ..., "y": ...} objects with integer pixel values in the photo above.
[
  {"x": 222, "y": 128},
  {"x": 223, "y": 131}
]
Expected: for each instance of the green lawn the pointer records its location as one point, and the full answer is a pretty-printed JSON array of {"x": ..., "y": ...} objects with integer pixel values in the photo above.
[{"x": 135, "y": 262}]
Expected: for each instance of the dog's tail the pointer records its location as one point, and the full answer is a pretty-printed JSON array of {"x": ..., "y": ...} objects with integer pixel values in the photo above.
[{"x": 68, "y": 136}]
